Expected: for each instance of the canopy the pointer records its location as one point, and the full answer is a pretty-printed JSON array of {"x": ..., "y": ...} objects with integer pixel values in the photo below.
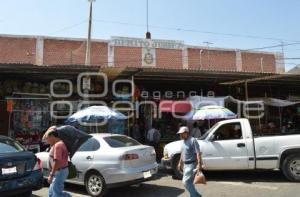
[{"x": 276, "y": 102}]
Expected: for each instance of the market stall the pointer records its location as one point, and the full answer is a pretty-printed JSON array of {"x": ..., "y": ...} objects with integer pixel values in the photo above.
[{"x": 28, "y": 119}]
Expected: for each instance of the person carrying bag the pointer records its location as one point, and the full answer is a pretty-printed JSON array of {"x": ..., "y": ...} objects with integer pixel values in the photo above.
[{"x": 190, "y": 160}]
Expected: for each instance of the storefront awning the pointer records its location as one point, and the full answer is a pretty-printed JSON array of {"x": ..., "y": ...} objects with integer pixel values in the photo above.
[{"x": 175, "y": 106}]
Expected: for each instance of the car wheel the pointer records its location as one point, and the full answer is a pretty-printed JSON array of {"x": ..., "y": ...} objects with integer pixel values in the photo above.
[
  {"x": 26, "y": 194},
  {"x": 177, "y": 173},
  {"x": 291, "y": 167},
  {"x": 95, "y": 184}
]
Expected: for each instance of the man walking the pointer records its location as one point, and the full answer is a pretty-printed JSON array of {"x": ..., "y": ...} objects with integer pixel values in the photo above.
[
  {"x": 58, "y": 160},
  {"x": 153, "y": 138},
  {"x": 190, "y": 159}
]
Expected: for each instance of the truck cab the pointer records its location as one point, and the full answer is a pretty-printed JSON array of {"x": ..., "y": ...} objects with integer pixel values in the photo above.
[{"x": 231, "y": 145}]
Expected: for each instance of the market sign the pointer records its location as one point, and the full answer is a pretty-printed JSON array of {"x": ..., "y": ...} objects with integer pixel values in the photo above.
[
  {"x": 146, "y": 43},
  {"x": 175, "y": 106}
]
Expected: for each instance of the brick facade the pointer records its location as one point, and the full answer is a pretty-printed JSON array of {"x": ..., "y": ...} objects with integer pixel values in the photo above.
[
  {"x": 256, "y": 62},
  {"x": 127, "y": 57},
  {"x": 17, "y": 50},
  {"x": 67, "y": 51},
  {"x": 169, "y": 58}
]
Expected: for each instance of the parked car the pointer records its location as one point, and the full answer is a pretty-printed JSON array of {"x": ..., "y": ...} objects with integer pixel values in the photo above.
[
  {"x": 231, "y": 145},
  {"x": 20, "y": 170},
  {"x": 109, "y": 160}
]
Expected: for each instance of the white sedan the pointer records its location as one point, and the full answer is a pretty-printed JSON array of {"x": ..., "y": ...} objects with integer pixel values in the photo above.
[{"x": 108, "y": 160}]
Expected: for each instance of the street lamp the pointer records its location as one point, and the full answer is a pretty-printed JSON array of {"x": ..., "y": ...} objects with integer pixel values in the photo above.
[{"x": 88, "y": 45}]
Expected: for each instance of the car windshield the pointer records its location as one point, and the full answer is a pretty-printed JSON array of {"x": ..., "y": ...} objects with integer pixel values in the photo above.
[
  {"x": 9, "y": 146},
  {"x": 204, "y": 136},
  {"x": 120, "y": 141}
]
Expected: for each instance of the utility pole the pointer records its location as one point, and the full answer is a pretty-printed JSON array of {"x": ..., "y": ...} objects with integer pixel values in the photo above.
[
  {"x": 148, "y": 34},
  {"x": 282, "y": 51},
  {"x": 87, "y": 80},
  {"x": 88, "y": 45}
]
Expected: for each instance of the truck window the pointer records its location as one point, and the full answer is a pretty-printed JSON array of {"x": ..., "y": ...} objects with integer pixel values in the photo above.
[{"x": 230, "y": 131}]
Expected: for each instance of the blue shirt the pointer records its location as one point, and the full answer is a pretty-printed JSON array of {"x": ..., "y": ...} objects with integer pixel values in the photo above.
[{"x": 190, "y": 148}]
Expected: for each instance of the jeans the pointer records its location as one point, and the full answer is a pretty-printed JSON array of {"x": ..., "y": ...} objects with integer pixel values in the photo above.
[
  {"x": 56, "y": 188},
  {"x": 188, "y": 179}
]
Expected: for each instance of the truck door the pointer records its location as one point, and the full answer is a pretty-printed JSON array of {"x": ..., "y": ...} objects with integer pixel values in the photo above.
[{"x": 226, "y": 150}]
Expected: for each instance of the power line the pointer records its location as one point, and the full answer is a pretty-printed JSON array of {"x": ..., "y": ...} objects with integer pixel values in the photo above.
[
  {"x": 69, "y": 27},
  {"x": 273, "y": 46},
  {"x": 195, "y": 31}
]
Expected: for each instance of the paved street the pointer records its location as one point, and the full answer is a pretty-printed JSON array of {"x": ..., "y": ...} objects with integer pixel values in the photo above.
[{"x": 228, "y": 184}]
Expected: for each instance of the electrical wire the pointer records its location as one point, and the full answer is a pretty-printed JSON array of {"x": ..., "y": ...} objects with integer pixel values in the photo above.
[
  {"x": 69, "y": 27},
  {"x": 195, "y": 31}
]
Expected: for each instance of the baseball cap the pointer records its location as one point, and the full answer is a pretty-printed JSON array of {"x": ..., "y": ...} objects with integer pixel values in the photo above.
[{"x": 183, "y": 130}]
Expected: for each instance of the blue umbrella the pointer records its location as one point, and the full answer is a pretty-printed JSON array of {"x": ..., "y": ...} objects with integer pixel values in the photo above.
[{"x": 94, "y": 114}]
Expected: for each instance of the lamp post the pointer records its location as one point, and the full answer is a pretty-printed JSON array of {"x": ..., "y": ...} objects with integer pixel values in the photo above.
[{"x": 88, "y": 45}]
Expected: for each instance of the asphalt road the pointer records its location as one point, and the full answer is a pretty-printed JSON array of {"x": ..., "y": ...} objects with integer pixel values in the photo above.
[{"x": 220, "y": 184}]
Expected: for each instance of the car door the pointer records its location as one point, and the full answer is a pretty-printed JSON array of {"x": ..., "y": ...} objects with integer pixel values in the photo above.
[
  {"x": 83, "y": 159},
  {"x": 226, "y": 150}
]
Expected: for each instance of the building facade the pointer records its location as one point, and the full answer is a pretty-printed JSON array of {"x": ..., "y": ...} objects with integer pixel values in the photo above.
[{"x": 135, "y": 52}]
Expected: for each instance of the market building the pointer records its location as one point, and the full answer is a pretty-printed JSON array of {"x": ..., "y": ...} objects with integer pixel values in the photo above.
[{"x": 162, "y": 71}]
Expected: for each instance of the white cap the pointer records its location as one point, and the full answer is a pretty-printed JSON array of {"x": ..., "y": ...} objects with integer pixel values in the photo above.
[{"x": 183, "y": 130}]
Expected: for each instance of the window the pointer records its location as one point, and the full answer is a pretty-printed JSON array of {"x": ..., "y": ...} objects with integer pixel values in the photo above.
[
  {"x": 9, "y": 146},
  {"x": 90, "y": 145},
  {"x": 120, "y": 141},
  {"x": 231, "y": 131}
]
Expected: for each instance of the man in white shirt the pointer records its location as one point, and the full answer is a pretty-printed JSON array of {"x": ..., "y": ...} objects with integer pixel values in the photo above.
[{"x": 196, "y": 133}]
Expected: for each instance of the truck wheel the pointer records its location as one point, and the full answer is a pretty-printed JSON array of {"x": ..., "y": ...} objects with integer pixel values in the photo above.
[
  {"x": 291, "y": 167},
  {"x": 95, "y": 184},
  {"x": 177, "y": 174}
]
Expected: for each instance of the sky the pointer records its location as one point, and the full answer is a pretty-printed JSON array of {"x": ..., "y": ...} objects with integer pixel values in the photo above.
[{"x": 243, "y": 24}]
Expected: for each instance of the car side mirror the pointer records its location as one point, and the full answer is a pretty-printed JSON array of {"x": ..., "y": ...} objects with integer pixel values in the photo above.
[{"x": 212, "y": 138}]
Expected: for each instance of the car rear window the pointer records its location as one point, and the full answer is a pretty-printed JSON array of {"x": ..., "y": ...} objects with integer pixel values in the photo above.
[
  {"x": 9, "y": 146},
  {"x": 120, "y": 141}
]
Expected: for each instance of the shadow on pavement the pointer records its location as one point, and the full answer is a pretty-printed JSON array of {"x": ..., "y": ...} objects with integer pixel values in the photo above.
[
  {"x": 247, "y": 176},
  {"x": 146, "y": 190},
  {"x": 142, "y": 190}
]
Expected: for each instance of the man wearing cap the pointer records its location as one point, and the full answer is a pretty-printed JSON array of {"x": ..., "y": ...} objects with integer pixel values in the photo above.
[
  {"x": 190, "y": 159},
  {"x": 58, "y": 161}
]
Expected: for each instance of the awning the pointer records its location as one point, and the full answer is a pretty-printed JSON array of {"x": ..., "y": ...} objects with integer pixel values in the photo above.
[{"x": 175, "y": 106}]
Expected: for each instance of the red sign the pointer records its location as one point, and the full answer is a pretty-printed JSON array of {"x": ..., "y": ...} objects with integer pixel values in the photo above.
[
  {"x": 9, "y": 106},
  {"x": 175, "y": 106}
]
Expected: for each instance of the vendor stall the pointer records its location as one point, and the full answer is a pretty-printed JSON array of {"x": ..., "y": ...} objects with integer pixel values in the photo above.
[{"x": 29, "y": 118}]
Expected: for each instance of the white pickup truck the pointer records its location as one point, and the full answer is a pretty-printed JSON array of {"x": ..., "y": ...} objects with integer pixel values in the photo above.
[{"x": 231, "y": 145}]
